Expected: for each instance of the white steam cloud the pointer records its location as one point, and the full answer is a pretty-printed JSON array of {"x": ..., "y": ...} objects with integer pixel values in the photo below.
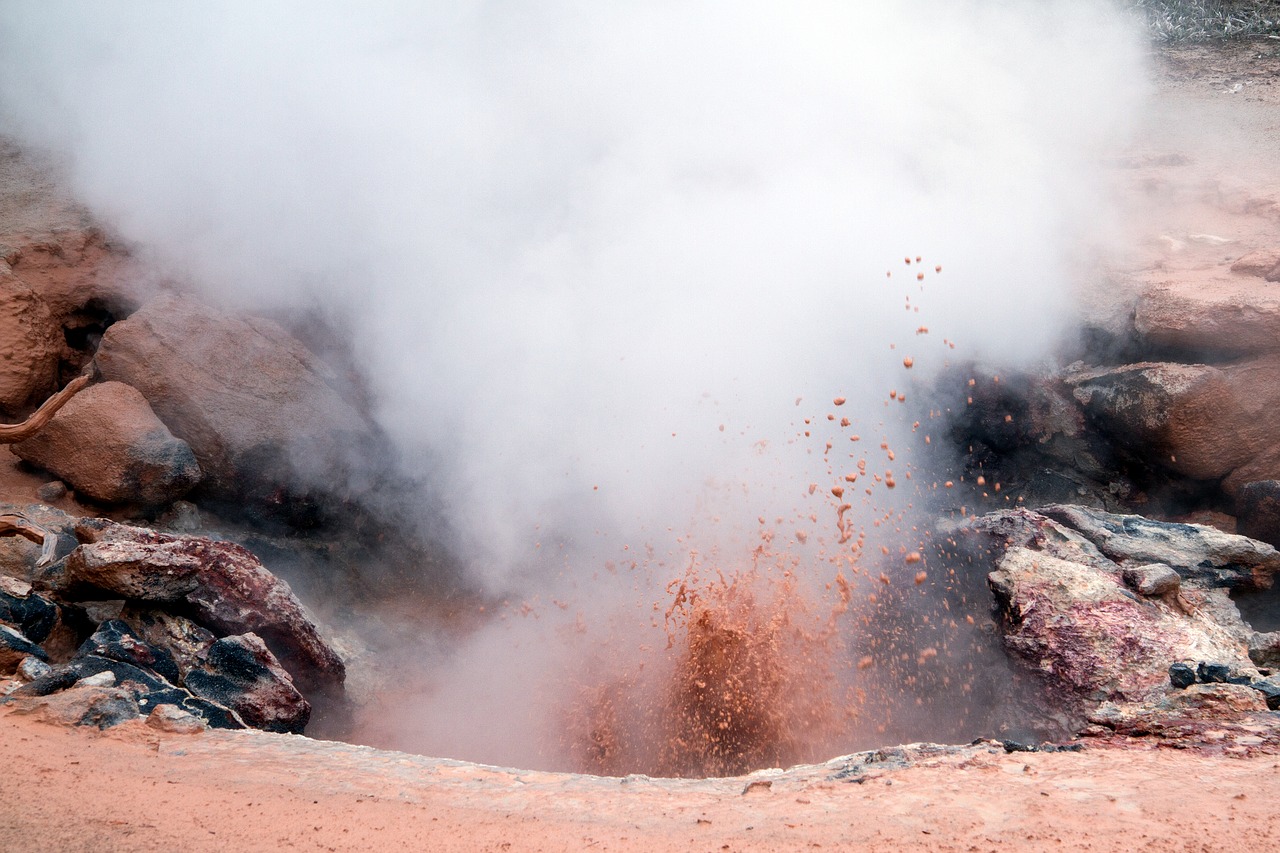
[{"x": 571, "y": 240}]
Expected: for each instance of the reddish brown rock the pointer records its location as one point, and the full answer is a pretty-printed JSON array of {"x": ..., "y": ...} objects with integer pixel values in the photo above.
[
  {"x": 1200, "y": 706},
  {"x": 30, "y": 342},
  {"x": 1228, "y": 316},
  {"x": 175, "y": 720},
  {"x": 107, "y": 443},
  {"x": 221, "y": 585},
  {"x": 254, "y": 404},
  {"x": 1258, "y": 263},
  {"x": 1198, "y": 420}
]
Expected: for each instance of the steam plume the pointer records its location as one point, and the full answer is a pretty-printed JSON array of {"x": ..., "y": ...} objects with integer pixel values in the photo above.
[{"x": 572, "y": 241}]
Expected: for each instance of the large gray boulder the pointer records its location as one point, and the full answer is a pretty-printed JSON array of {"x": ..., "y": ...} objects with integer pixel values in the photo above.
[
  {"x": 108, "y": 445},
  {"x": 254, "y": 404},
  {"x": 1203, "y": 556}
]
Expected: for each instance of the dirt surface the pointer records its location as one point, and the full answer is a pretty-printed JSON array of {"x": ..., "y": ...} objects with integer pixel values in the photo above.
[
  {"x": 1204, "y": 165},
  {"x": 135, "y": 789}
]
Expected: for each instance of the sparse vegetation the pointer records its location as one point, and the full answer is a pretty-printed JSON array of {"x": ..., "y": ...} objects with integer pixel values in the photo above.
[{"x": 1209, "y": 20}]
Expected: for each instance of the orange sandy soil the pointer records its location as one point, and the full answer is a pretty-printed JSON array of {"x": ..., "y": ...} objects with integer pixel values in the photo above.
[{"x": 133, "y": 788}]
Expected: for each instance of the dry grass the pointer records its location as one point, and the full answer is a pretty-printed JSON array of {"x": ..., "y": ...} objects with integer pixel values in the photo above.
[{"x": 1175, "y": 21}]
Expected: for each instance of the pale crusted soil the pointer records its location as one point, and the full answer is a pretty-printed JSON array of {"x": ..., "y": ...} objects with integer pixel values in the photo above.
[{"x": 136, "y": 789}]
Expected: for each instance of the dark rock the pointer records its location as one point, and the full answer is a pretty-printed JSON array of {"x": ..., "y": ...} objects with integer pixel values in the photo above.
[
  {"x": 1153, "y": 580},
  {"x": 242, "y": 674},
  {"x": 103, "y": 707},
  {"x": 1258, "y": 510},
  {"x": 52, "y": 491},
  {"x": 56, "y": 679},
  {"x": 1018, "y": 746},
  {"x": 1270, "y": 689},
  {"x": 146, "y": 687},
  {"x": 14, "y": 647},
  {"x": 218, "y": 584},
  {"x": 1181, "y": 675},
  {"x": 32, "y": 614},
  {"x": 109, "y": 445},
  {"x": 184, "y": 640},
  {"x": 115, "y": 640},
  {"x": 1213, "y": 673}
]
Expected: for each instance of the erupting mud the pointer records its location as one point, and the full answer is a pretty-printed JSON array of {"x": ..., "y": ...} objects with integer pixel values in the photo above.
[{"x": 747, "y": 680}]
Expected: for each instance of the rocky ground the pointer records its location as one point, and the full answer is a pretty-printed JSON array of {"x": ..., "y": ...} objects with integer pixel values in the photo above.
[{"x": 1153, "y": 644}]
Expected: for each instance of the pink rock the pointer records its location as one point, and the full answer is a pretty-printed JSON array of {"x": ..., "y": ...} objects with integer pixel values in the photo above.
[{"x": 1257, "y": 263}]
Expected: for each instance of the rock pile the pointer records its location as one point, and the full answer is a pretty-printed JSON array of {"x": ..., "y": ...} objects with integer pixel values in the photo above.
[
  {"x": 114, "y": 621},
  {"x": 231, "y": 406},
  {"x": 1167, "y": 410}
]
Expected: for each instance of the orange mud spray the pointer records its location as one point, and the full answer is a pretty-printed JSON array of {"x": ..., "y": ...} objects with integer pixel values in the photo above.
[{"x": 763, "y": 670}]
